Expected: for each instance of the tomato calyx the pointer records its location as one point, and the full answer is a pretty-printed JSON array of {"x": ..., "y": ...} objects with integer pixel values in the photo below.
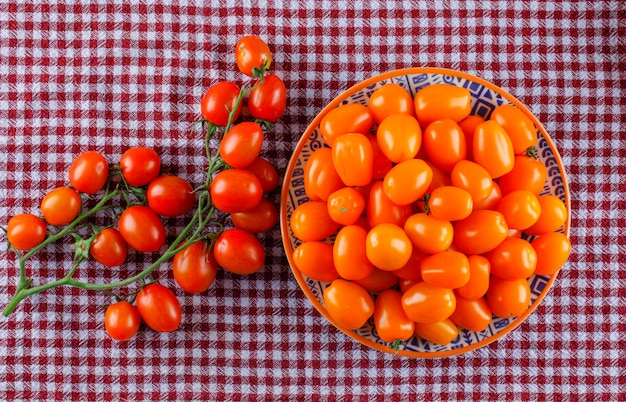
[{"x": 397, "y": 345}]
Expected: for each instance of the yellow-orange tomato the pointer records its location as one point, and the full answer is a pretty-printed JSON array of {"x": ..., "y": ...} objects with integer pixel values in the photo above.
[
  {"x": 380, "y": 209},
  {"x": 468, "y": 125},
  {"x": 382, "y": 164},
  {"x": 429, "y": 234},
  {"x": 473, "y": 178},
  {"x": 310, "y": 221},
  {"x": 378, "y": 280},
  {"x": 492, "y": 149},
  {"x": 389, "y": 99},
  {"x": 349, "y": 254},
  {"x": 390, "y": 320},
  {"x": 441, "y": 101},
  {"x": 445, "y": 144},
  {"x": 528, "y": 173},
  {"x": 440, "y": 332},
  {"x": 353, "y": 158},
  {"x": 553, "y": 215},
  {"x": 320, "y": 175},
  {"x": 388, "y": 247},
  {"x": 345, "y": 119},
  {"x": 492, "y": 200},
  {"x": 61, "y": 206},
  {"x": 508, "y": 298},
  {"x": 315, "y": 260},
  {"x": 345, "y": 205},
  {"x": 552, "y": 250},
  {"x": 399, "y": 137},
  {"x": 514, "y": 258},
  {"x": 472, "y": 314},
  {"x": 447, "y": 269},
  {"x": 480, "y": 232},
  {"x": 348, "y": 304},
  {"x": 406, "y": 182},
  {"x": 478, "y": 283},
  {"x": 450, "y": 203},
  {"x": 426, "y": 303},
  {"x": 517, "y": 125},
  {"x": 521, "y": 209}
]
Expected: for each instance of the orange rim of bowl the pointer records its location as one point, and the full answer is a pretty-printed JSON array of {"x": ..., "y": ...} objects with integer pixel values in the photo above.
[{"x": 305, "y": 137}]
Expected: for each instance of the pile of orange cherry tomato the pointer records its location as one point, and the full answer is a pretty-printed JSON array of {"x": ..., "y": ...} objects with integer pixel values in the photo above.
[
  {"x": 426, "y": 218},
  {"x": 133, "y": 196}
]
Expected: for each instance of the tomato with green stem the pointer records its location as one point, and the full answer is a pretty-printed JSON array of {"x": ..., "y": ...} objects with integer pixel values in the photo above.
[
  {"x": 159, "y": 307},
  {"x": 61, "y": 206},
  {"x": 142, "y": 229},
  {"x": 170, "y": 196},
  {"x": 348, "y": 304},
  {"x": 122, "y": 320},
  {"x": 140, "y": 165},
  {"x": 252, "y": 55},
  {"x": 219, "y": 101},
  {"x": 89, "y": 172},
  {"x": 242, "y": 144},
  {"x": 267, "y": 99},
  {"x": 235, "y": 190},
  {"x": 391, "y": 322},
  {"x": 109, "y": 247},
  {"x": 195, "y": 268},
  {"x": 26, "y": 231},
  {"x": 239, "y": 252}
]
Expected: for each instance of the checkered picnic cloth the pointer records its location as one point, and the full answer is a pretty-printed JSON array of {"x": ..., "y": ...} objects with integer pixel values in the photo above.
[{"x": 111, "y": 74}]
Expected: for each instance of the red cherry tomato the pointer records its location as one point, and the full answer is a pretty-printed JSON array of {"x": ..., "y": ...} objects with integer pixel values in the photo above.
[
  {"x": 159, "y": 307},
  {"x": 407, "y": 181},
  {"x": 399, "y": 137},
  {"x": 235, "y": 190},
  {"x": 142, "y": 229},
  {"x": 170, "y": 196},
  {"x": 109, "y": 248},
  {"x": 425, "y": 303},
  {"x": 348, "y": 304},
  {"x": 349, "y": 253},
  {"x": 517, "y": 125},
  {"x": 261, "y": 218},
  {"x": 268, "y": 100},
  {"x": 492, "y": 149},
  {"x": 122, "y": 321},
  {"x": 89, "y": 172},
  {"x": 389, "y": 99},
  {"x": 310, "y": 221},
  {"x": 251, "y": 52},
  {"x": 61, "y": 206},
  {"x": 345, "y": 119},
  {"x": 140, "y": 165},
  {"x": 320, "y": 176},
  {"x": 195, "y": 268},
  {"x": 315, "y": 260},
  {"x": 242, "y": 144},
  {"x": 442, "y": 101},
  {"x": 266, "y": 173},
  {"x": 353, "y": 159},
  {"x": 218, "y": 101},
  {"x": 239, "y": 252},
  {"x": 480, "y": 232},
  {"x": 25, "y": 231},
  {"x": 390, "y": 320},
  {"x": 445, "y": 144}
]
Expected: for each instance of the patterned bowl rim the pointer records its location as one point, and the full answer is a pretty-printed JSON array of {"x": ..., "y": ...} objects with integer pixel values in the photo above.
[{"x": 284, "y": 224}]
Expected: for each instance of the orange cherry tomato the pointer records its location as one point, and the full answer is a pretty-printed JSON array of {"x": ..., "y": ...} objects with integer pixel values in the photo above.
[
  {"x": 508, "y": 298},
  {"x": 450, "y": 203},
  {"x": 429, "y": 234},
  {"x": 514, "y": 258},
  {"x": 390, "y": 320},
  {"x": 440, "y": 178},
  {"x": 320, "y": 175},
  {"x": 349, "y": 254},
  {"x": 521, "y": 209},
  {"x": 492, "y": 149},
  {"x": 468, "y": 125},
  {"x": 388, "y": 247},
  {"x": 411, "y": 270},
  {"x": 442, "y": 101},
  {"x": 517, "y": 125},
  {"x": 310, "y": 221},
  {"x": 552, "y": 250},
  {"x": 472, "y": 314},
  {"x": 405, "y": 284},
  {"x": 447, "y": 269},
  {"x": 473, "y": 178},
  {"x": 553, "y": 215},
  {"x": 480, "y": 232},
  {"x": 399, "y": 137},
  {"x": 380, "y": 209},
  {"x": 315, "y": 260},
  {"x": 382, "y": 164},
  {"x": 492, "y": 200},
  {"x": 348, "y": 304},
  {"x": 480, "y": 270},
  {"x": 389, "y": 99},
  {"x": 445, "y": 144},
  {"x": 440, "y": 332},
  {"x": 353, "y": 158},
  {"x": 378, "y": 280},
  {"x": 345, "y": 205},
  {"x": 528, "y": 174},
  {"x": 345, "y": 119},
  {"x": 426, "y": 303},
  {"x": 406, "y": 182}
]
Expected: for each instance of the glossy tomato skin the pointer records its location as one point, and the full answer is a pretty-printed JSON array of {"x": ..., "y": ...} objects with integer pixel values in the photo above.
[
  {"x": 440, "y": 332},
  {"x": 380, "y": 209},
  {"x": 528, "y": 173},
  {"x": 218, "y": 100},
  {"x": 345, "y": 205},
  {"x": 170, "y": 196},
  {"x": 447, "y": 269},
  {"x": 514, "y": 258},
  {"x": 399, "y": 137},
  {"x": 517, "y": 125},
  {"x": 251, "y": 52},
  {"x": 348, "y": 304},
  {"x": 378, "y": 280},
  {"x": 195, "y": 268},
  {"x": 480, "y": 270},
  {"x": 122, "y": 321},
  {"x": 552, "y": 250},
  {"x": 349, "y": 253},
  {"x": 320, "y": 176},
  {"x": 159, "y": 307},
  {"x": 388, "y": 247},
  {"x": 552, "y": 217},
  {"x": 242, "y": 144},
  {"x": 520, "y": 208},
  {"x": 382, "y": 164},
  {"x": 508, "y": 298},
  {"x": 472, "y": 314},
  {"x": 411, "y": 270},
  {"x": 425, "y": 303},
  {"x": 345, "y": 119},
  {"x": 407, "y": 181},
  {"x": 441, "y": 101},
  {"x": 142, "y": 229},
  {"x": 450, "y": 203},
  {"x": 353, "y": 159},
  {"x": 310, "y": 221},
  {"x": 140, "y": 165},
  {"x": 480, "y": 232},
  {"x": 315, "y": 260},
  {"x": 492, "y": 149},
  {"x": 238, "y": 251},
  {"x": 429, "y": 234},
  {"x": 389, "y": 99},
  {"x": 25, "y": 231},
  {"x": 61, "y": 206},
  {"x": 235, "y": 190},
  {"x": 261, "y": 218},
  {"x": 445, "y": 144},
  {"x": 265, "y": 172},
  {"x": 109, "y": 248},
  {"x": 468, "y": 125},
  {"x": 89, "y": 172},
  {"x": 390, "y": 320},
  {"x": 473, "y": 178},
  {"x": 492, "y": 200},
  {"x": 268, "y": 100}
]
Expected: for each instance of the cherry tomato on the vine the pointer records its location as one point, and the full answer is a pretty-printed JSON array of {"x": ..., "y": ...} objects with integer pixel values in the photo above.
[
  {"x": 389, "y": 99},
  {"x": 159, "y": 307},
  {"x": 390, "y": 320},
  {"x": 399, "y": 137},
  {"x": 259, "y": 219},
  {"x": 218, "y": 101},
  {"x": 442, "y": 101},
  {"x": 242, "y": 144},
  {"x": 170, "y": 196},
  {"x": 315, "y": 260},
  {"x": 353, "y": 159},
  {"x": 238, "y": 251},
  {"x": 61, "y": 206},
  {"x": 310, "y": 221},
  {"x": 235, "y": 190},
  {"x": 265, "y": 172},
  {"x": 109, "y": 247},
  {"x": 140, "y": 165},
  {"x": 194, "y": 268},
  {"x": 25, "y": 231},
  {"x": 122, "y": 320},
  {"x": 142, "y": 229},
  {"x": 89, "y": 172},
  {"x": 251, "y": 52},
  {"x": 348, "y": 304},
  {"x": 268, "y": 100},
  {"x": 345, "y": 119}
]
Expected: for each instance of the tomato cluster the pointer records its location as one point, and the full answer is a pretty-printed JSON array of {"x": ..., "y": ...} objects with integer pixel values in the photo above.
[{"x": 425, "y": 217}]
